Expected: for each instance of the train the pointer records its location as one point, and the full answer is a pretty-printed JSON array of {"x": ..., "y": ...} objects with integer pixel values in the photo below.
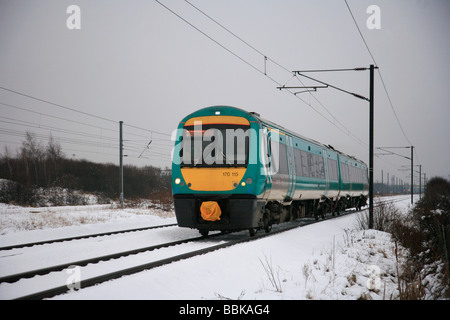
[{"x": 233, "y": 170}]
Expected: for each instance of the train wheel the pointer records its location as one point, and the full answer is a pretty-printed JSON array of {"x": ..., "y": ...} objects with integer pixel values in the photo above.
[
  {"x": 204, "y": 233},
  {"x": 267, "y": 225},
  {"x": 252, "y": 232},
  {"x": 323, "y": 212}
]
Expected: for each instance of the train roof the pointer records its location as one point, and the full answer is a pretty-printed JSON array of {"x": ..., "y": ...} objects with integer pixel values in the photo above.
[
  {"x": 212, "y": 110},
  {"x": 292, "y": 133}
]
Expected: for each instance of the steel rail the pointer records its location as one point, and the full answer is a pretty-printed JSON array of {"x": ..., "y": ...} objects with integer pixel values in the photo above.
[
  {"x": 30, "y": 244},
  {"x": 42, "y": 271}
]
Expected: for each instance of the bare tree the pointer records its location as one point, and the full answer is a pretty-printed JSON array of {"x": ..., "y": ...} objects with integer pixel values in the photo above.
[
  {"x": 31, "y": 150},
  {"x": 8, "y": 159},
  {"x": 54, "y": 150}
]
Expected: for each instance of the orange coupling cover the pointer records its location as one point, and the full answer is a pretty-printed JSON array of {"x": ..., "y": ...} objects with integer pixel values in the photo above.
[{"x": 210, "y": 211}]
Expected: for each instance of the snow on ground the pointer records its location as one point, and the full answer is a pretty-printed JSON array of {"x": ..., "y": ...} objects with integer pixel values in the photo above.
[
  {"x": 24, "y": 224},
  {"x": 321, "y": 261},
  {"x": 326, "y": 260}
]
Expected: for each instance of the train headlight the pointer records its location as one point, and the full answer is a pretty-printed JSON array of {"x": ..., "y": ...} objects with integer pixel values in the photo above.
[
  {"x": 177, "y": 181},
  {"x": 243, "y": 183}
]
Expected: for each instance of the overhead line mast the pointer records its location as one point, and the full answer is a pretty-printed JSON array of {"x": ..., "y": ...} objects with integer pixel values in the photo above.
[{"x": 371, "y": 119}]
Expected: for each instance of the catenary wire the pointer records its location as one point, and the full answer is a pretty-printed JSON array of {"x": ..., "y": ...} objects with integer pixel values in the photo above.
[
  {"x": 66, "y": 140},
  {"x": 347, "y": 132},
  {"x": 379, "y": 72},
  {"x": 56, "y": 104}
]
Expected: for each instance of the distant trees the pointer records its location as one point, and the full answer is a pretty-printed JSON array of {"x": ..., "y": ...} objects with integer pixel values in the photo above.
[
  {"x": 45, "y": 166},
  {"x": 34, "y": 160}
]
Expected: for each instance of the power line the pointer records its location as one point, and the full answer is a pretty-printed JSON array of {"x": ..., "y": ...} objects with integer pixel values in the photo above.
[
  {"x": 19, "y": 133},
  {"x": 267, "y": 58},
  {"x": 161, "y": 155},
  {"x": 61, "y": 130},
  {"x": 30, "y": 124},
  {"x": 236, "y": 36},
  {"x": 65, "y": 149},
  {"x": 148, "y": 130},
  {"x": 392, "y": 107},
  {"x": 379, "y": 72},
  {"x": 82, "y": 133},
  {"x": 347, "y": 131},
  {"x": 73, "y": 110},
  {"x": 57, "y": 105},
  {"x": 55, "y": 117},
  {"x": 100, "y": 141},
  {"x": 136, "y": 145},
  {"x": 360, "y": 33},
  {"x": 213, "y": 40}
]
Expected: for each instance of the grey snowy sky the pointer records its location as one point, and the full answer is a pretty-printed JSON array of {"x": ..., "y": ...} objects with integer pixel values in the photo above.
[{"x": 137, "y": 62}]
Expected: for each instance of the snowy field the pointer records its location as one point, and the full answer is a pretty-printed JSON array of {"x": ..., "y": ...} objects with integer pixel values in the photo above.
[{"x": 330, "y": 260}]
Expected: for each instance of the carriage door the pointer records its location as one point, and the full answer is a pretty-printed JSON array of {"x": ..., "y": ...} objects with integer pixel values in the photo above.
[
  {"x": 327, "y": 171},
  {"x": 265, "y": 155},
  {"x": 291, "y": 168}
]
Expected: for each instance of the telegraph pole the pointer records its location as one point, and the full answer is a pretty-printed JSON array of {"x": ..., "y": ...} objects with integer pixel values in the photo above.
[
  {"x": 371, "y": 97},
  {"x": 420, "y": 181},
  {"x": 412, "y": 175},
  {"x": 121, "y": 163},
  {"x": 412, "y": 164}
]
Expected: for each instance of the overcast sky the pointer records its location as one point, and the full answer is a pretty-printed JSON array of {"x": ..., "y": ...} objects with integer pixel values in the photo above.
[{"x": 138, "y": 62}]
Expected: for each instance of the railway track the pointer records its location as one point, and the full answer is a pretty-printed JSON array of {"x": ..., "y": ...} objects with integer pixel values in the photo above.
[
  {"x": 205, "y": 245},
  {"x": 28, "y": 274},
  {"x": 379, "y": 202},
  {"x": 165, "y": 253},
  {"x": 30, "y": 244}
]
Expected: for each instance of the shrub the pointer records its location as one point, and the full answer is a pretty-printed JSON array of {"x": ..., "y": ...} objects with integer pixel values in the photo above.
[
  {"x": 384, "y": 216},
  {"x": 432, "y": 214},
  {"x": 425, "y": 232}
]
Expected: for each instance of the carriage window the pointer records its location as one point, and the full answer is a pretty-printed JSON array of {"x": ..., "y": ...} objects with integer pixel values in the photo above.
[
  {"x": 283, "y": 166},
  {"x": 320, "y": 166},
  {"x": 302, "y": 167},
  {"x": 332, "y": 169},
  {"x": 298, "y": 163},
  {"x": 345, "y": 172},
  {"x": 316, "y": 166},
  {"x": 309, "y": 164},
  {"x": 305, "y": 167}
]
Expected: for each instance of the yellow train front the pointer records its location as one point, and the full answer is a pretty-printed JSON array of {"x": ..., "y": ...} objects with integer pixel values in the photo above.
[{"x": 215, "y": 171}]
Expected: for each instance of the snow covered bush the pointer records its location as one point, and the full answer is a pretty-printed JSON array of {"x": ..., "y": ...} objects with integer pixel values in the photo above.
[{"x": 425, "y": 232}]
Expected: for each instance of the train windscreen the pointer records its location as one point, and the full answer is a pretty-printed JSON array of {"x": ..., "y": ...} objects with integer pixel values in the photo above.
[{"x": 215, "y": 145}]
